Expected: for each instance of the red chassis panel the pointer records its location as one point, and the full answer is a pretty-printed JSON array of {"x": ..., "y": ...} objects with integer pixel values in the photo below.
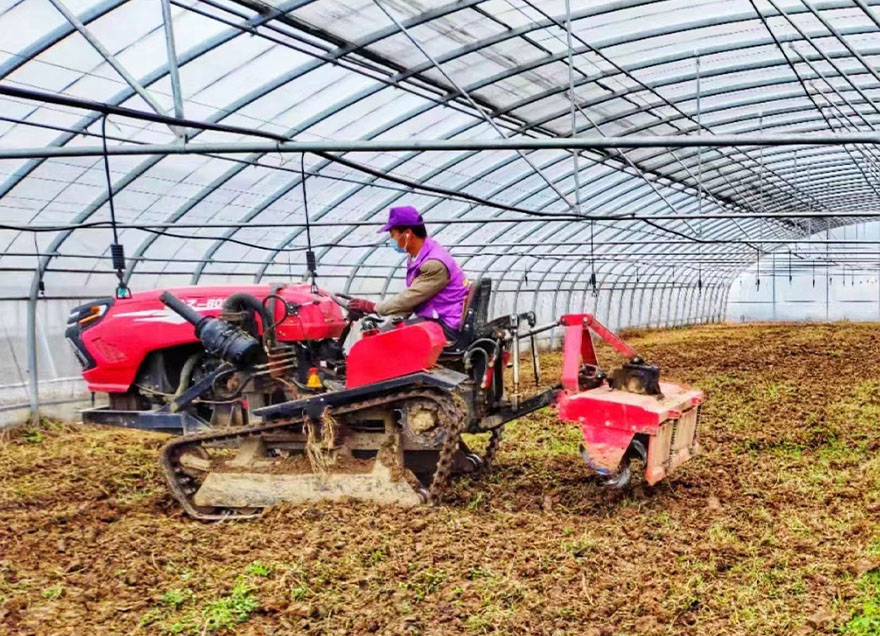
[{"x": 405, "y": 349}]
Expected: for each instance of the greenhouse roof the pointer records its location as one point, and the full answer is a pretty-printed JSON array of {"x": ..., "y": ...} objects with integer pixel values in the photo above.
[{"x": 227, "y": 204}]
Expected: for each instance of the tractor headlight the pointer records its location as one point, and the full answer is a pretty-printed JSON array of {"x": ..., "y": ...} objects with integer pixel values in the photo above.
[{"x": 90, "y": 314}]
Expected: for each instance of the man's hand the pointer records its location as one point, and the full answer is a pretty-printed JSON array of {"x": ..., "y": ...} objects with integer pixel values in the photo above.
[{"x": 362, "y": 305}]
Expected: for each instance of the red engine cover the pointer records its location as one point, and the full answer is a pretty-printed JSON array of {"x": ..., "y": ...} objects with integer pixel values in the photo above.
[
  {"x": 403, "y": 350},
  {"x": 133, "y": 327}
]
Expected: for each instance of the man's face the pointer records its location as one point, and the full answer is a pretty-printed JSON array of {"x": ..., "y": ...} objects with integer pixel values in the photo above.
[{"x": 401, "y": 238}]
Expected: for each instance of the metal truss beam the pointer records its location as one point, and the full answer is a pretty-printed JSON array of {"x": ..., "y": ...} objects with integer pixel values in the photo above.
[
  {"x": 112, "y": 61},
  {"x": 446, "y": 145}
]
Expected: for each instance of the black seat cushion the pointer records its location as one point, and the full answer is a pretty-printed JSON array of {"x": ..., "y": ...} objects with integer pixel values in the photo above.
[{"x": 475, "y": 315}]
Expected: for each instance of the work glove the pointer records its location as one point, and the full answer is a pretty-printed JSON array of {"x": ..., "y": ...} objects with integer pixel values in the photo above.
[{"x": 362, "y": 305}]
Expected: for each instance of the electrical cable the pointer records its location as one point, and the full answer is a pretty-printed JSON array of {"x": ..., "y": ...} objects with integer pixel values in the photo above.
[
  {"x": 277, "y": 298},
  {"x": 110, "y": 109},
  {"x": 39, "y": 95},
  {"x": 106, "y": 109},
  {"x": 41, "y": 285},
  {"x": 117, "y": 251},
  {"x": 592, "y": 260},
  {"x": 194, "y": 237},
  {"x": 311, "y": 264},
  {"x": 96, "y": 225},
  {"x": 256, "y": 164},
  {"x": 438, "y": 190},
  {"x": 54, "y": 98}
]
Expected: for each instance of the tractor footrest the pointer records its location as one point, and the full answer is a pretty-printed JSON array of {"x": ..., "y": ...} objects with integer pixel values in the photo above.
[{"x": 155, "y": 421}]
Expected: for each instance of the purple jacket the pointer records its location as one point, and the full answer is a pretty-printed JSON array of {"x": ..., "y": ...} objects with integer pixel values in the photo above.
[{"x": 449, "y": 302}]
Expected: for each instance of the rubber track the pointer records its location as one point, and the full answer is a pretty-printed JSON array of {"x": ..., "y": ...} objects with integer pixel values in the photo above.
[{"x": 453, "y": 420}]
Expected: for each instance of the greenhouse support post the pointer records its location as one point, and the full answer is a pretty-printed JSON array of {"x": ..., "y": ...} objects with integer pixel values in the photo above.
[
  {"x": 31, "y": 341},
  {"x": 773, "y": 287}
]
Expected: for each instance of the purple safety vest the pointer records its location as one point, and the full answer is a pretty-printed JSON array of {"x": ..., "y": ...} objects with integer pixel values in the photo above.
[{"x": 448, "y": 303}]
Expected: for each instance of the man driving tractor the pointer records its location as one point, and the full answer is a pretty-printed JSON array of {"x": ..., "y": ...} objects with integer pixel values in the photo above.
[
  {"x": 436, "y": 287},
  {"x": 381, "y": 420}
]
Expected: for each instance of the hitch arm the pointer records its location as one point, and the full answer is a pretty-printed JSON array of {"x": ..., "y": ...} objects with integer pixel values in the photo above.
[
  {"x": 578, "y": 346},
  {"x": 589, "y": 322}
]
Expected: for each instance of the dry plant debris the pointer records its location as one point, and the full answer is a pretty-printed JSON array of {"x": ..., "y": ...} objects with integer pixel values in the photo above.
[{"x": 775, "y": 529}]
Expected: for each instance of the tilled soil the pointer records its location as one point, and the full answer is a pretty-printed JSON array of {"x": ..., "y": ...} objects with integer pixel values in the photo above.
[{"x": 770, "y": 531}]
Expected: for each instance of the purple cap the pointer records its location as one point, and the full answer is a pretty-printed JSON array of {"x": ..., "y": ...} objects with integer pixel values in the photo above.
[{"x": 404, "y": 215}]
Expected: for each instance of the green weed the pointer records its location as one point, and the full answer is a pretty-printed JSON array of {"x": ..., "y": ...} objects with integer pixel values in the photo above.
[
  {"x": 579, "y": 547},
  {"x": 866, "y": 618},
  {"x": 425, "y": 583},
  {"x": 229, "y": 610},
  {"x": 479, "y": 573},
  {"x": 186, "y": 625},
  {"x": 174, "y": 598},
  {"x": 33, "y": 436},
  {"x": 151, "y": 616},
  {"x": 476, "y": 502},
  {"x": 480, "y": 624},
  {"x": 259, "y": 569},
  {"x": 52, "y": 593},
  {"x": 375, "y": 556}
]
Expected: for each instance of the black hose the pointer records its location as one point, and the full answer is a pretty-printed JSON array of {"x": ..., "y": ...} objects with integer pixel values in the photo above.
[
  {"x": 271, "y": 311},
  {"x": 242, "y": 301}
]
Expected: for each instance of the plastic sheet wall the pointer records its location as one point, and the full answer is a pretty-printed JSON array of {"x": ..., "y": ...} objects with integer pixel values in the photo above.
[
  {"x": 61, "y": 389},
  {"x": 832, "y": 275}
]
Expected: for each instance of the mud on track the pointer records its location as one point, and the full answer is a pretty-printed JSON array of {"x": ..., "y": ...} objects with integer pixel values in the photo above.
[{"x": 775, "y": 529}]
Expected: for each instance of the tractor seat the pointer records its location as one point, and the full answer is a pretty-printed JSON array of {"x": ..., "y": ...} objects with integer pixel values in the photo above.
[{"x": 474, "y": 315}]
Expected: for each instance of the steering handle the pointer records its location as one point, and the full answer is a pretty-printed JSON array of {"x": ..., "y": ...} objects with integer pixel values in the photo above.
[{"x": 340, "y": 299}]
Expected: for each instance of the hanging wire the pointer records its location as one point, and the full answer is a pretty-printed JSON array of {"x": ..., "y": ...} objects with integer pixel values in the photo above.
[
  {"x": 593, "y": 261},
  {"x": 699, "y": 177},
  {"x": 828, "y": 278},
  {"x": 311, "y": 264},
  {"x": 41, "y": 285},
  {"x": 758, "y": 273},
  {"x": 117, "y": 251}
]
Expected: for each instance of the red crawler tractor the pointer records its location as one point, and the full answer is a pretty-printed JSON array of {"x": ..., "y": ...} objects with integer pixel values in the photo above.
[{"x": 269, "y": 407}]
